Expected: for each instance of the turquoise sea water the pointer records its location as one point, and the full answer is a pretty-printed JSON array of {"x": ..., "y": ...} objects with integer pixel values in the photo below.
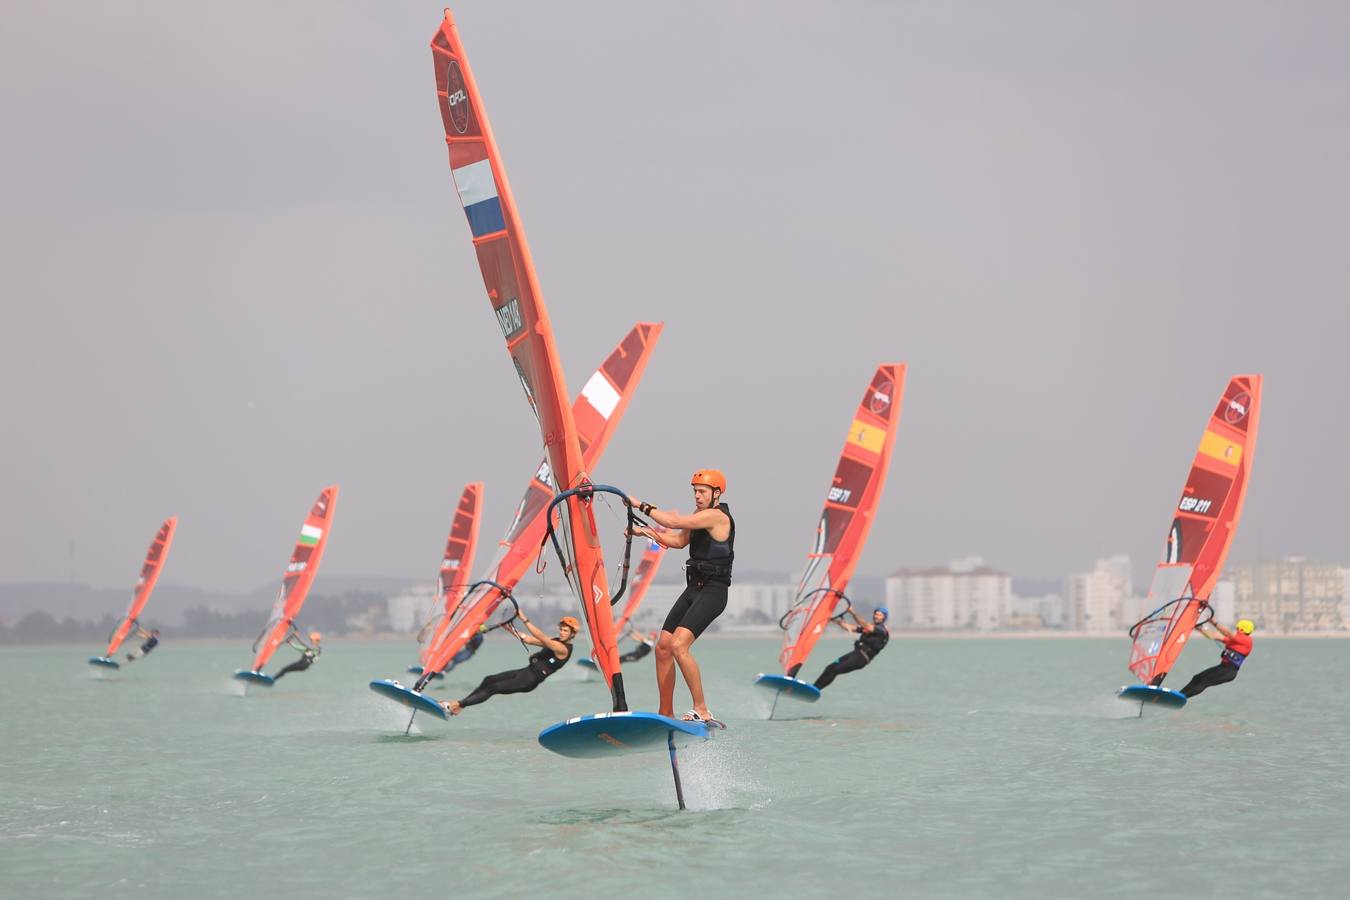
[{"x": 948, "y": 768}]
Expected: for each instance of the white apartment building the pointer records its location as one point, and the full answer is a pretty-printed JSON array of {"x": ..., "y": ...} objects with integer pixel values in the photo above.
[
  {"x": 408, "y": 609},
  {"x": 758, "y": 603},
  {"x": 1101, "y": 601},
  {"x": 965, "y": 594}
]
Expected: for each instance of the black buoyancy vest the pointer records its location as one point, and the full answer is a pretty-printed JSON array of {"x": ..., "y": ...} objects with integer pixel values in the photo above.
[
  {"x": 872, "y": 642},
  {"x": 711, "y": 560},
  {"x": 544, "y": 663}
]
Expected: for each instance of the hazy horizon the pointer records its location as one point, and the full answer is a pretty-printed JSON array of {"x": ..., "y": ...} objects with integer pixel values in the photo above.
[{"x": 238, "y": 272}]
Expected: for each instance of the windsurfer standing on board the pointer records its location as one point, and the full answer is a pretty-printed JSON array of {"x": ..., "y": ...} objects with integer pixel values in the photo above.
[
  {"x": 710, "y": 534},
  {"x": 555, "y": 653},
  {"x": 872, "y": 638},
  {"x": 1237, "y": 646},
  {"x": 308, "y": 653},
  {"x": 151, "y": 642}
]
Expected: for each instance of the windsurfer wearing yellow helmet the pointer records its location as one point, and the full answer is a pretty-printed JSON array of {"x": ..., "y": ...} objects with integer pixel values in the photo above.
[
  {"x": 553, "y": 655},
  {"x": 308, "y": 652},
  {"x": 1237, "y": 646},
  {"x": 710, "y": 534}
]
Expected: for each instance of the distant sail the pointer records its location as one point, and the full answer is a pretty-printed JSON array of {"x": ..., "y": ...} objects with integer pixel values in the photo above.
[
  {"x": 300, "y": 572},
  {"x": 850, "y": 505},
  {"x": 641, "y": 580},
  {"x": 597, "y": 411},
  {"x": 456, "y": 563},
  {"x": 154, "y": 562},
  {"x": 1202, "y": 530}
]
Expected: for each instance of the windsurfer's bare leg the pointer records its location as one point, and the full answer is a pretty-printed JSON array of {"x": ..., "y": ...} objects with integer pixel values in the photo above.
[
  {"x": 665, "y": 673},
  {"x": 681, "y": 642}
]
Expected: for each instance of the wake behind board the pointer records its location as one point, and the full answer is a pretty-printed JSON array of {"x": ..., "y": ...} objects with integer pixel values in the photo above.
[
  {"x": 795, "y": 688},
  {"x": 1146, "y": 693},
  {"x": 255, "y": 677},
  {"x": 104, "y": 661},
  {"x": 387, "y": 687},
  {"x": 611, "y": 734}
]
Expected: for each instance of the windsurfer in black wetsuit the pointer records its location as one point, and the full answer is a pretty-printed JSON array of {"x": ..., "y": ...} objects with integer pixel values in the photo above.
[
  {"x": 151, "y": 642},
  {"x": 467, "y": 651},
  {"x": 308, "y": 652},
  {"x": 1237, "y": 646},
  {"x": 710, "y": 534},
  {"x": 872, "y": 638},
  {"x": 553, "y": 655},
  {"x": 645, "y": 644}
]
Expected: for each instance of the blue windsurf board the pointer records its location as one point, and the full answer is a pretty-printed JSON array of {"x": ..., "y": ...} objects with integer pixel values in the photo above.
[
  {"x": 610, "y": 734},
  {"x": 387, "y": 687},
  {"x": 789, "y": 687},
  {"x": 255, "y": 677},
  {"x": 1147, "y": 693},
  {"x": 104, "y": 661}
]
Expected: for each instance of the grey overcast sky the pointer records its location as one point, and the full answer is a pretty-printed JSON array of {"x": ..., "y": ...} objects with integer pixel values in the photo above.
[{"x": 236, "y": 270}]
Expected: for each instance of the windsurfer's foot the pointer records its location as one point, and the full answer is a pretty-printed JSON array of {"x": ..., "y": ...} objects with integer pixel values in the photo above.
[
  {"x": 452, "y": 707},
  {"x": 704, "y": 716}
]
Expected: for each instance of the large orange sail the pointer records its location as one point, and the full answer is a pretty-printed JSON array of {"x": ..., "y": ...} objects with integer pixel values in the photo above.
[
  {"x": 850, "y": 505},
  {"x": 513, "y": 289},
  {"x": 456, "y": 563},
  {"x": 300, "y": 572},
  {"x": 150, "y": 569},
  {"x": 1203, "y": 526},
  {"x": 597, "y": 411}
]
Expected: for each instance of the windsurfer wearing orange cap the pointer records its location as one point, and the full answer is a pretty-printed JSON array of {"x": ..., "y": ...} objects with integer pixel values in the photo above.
[
  {"x": 308, "y": 652},
  {"x": 710, "y": 534},
  {"x": 553, "y": 655}
]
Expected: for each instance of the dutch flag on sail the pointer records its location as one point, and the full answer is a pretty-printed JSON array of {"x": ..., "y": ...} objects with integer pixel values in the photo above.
[{"x": 478, "y": 192}]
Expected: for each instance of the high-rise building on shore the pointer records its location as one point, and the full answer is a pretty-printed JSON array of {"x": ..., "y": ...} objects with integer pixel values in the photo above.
[
  {"x": 1291, "y": 594},
  {"x": 757, "y": 603},
  {"x": 965, "y": 594},
  {"x": 1101, "y": 601}
]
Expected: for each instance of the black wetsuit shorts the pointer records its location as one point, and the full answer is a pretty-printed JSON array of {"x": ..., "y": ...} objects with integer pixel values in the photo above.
[{"x": 697, "y": 607}]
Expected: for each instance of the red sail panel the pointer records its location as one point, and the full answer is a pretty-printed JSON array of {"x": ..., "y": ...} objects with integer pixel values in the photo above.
[
  {"x": 300, "y": 572},
  {"x": 640, "y": 581},
  {"x": 513, "y": 289},
  {"x": 850, "y": 505},
  {"x": 597, "y": 411},
  {"x": 150, "y": 569},
  {"x": 457, "y": 562},
  {"x": 1203, "y": 526}
]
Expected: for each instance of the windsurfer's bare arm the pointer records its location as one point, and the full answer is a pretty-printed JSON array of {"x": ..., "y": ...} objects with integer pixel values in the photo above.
[
  {"x": 539, "y": 639},
  {"x": 1223, "y": 631}
]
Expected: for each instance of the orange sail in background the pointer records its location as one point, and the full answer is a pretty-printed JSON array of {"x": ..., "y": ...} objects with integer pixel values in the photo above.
[
  {"x": 300, "y": 572},
  {"x": 850, "y": 505},
  {"x": 597, "y": 411},
  {"x": 456, "y": 563},
  {"x": 154, "y": 562},
  {"x": 513, "y": 289},
  {"x": 1203, "y": 527},
  {"x": 641, "y": 580}
]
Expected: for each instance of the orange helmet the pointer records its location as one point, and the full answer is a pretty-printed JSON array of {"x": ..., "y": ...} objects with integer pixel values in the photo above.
[
  {"x": 315, "y": 636},
  {"x": 572, "y": 623},
  {"x": 710, "y": 477}
]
